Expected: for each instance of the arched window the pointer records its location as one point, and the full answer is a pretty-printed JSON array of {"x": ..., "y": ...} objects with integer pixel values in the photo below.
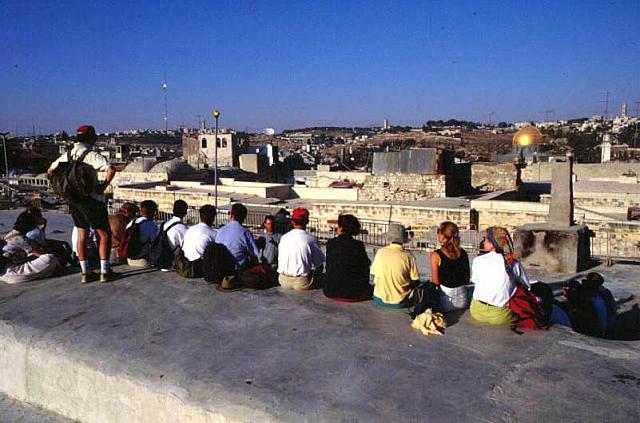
[
  {"x": 224, "y": 143},
  {"x": 218, "y": 144},
  {"x": 204, "y": 143}
]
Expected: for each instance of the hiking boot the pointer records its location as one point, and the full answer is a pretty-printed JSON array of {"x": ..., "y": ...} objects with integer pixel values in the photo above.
[
  {"x": 109, "y": 276},
  {"x": 86, "y": 277}
]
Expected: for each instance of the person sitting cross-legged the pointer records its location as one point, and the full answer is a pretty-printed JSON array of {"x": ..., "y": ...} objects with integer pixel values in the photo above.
[
  {"x": 118, "y": 223},
  {"x": 347, "y": 274},
  {"x": 176, "y": 228},
  {"x": 189, "y": 261},
  {"x": 23, "y": 260},
  {"x": 300, "y": 259},
  {"x": 450, "y": 268},
  {"x": 147, "y": 232},
  {"x": 395, "y": 271},
  {"x": 238, "y": 239},
  {"x": 268, "y": 243},
  {"x": 494, "y": 275}
]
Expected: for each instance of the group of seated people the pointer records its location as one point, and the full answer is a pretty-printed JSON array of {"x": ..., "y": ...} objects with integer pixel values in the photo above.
[{"x": 232, "y": 257}]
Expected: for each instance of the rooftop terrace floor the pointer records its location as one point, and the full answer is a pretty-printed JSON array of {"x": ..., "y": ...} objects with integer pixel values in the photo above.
[{"x": 276, "y": 355}]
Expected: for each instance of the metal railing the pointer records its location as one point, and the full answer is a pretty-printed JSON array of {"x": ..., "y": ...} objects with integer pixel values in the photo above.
[{"x": 607, "y": 245}]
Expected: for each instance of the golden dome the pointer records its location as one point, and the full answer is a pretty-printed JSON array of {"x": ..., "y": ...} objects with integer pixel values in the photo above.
[{"x": 529, "y": 135}]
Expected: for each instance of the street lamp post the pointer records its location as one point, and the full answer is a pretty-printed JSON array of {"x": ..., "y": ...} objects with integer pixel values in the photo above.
[
  {"x": 4, "y": 146},
  {"x": 216, "y": 115}
]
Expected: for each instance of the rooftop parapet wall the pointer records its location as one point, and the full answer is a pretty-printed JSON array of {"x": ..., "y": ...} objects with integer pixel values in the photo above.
[
  {"x": 584, "y": 171},
  {"x": 405, "y": 214},
  {"x": 166, "y": 198}
]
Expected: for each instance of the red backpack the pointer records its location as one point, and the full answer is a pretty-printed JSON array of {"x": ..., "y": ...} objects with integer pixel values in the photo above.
[{"x": 530, "y": 311}]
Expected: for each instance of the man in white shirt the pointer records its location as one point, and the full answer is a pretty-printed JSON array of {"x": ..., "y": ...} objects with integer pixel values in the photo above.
[
  {"x": 90, "y": 211},
  {"x": 200, "y": 236},
  {"x": 175, "y": 227},
  {"x": 300, "y": 259}
]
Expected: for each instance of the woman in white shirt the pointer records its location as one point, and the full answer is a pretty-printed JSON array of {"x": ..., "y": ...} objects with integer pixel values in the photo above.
[{"x": 494, "y": 275}]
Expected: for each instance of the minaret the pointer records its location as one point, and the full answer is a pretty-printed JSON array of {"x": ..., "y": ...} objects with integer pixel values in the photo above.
[
  {"x": 625, "y": 112},
  {"x": 605, "y": 149}
]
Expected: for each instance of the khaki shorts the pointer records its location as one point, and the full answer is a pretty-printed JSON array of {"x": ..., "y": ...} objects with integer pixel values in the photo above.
[{"x": 299, "y": 283}]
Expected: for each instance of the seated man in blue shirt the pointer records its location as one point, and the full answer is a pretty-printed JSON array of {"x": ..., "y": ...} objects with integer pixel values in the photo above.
[
  {"x": 238, "y": 239},
  {"x": 147, "y": 231}
]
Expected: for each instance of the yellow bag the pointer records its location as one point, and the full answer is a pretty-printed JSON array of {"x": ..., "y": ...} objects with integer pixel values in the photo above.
[{"x": 430, "y": 323}]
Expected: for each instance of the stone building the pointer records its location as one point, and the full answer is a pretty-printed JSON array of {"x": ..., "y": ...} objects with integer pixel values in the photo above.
[{"x": 199, "y": 148}]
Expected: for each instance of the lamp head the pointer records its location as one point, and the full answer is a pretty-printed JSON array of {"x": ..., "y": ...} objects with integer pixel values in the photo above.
[{"x": 216, "y": 114}]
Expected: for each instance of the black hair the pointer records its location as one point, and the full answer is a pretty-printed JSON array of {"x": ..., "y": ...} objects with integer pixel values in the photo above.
[
  {"x": 149, "y": 207},
  {"x": 270, "y": 217},
  {"x": 25, "y": 222},
  {"x": 349, "y": 224},
  {"x": 239, "y": 212},
  {"x": 207, "y": 214},
  {"x": 180, "y": 208}
]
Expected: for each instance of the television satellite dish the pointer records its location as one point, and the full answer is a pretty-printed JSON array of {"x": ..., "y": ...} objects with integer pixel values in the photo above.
[{"x": 269, "y": 131}]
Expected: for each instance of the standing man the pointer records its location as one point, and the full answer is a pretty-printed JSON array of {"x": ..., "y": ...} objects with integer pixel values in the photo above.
[
  {"x": 300, "y": 259},
  {"x": 238, "y": 239},
  {"x": 90, "y": 211}
]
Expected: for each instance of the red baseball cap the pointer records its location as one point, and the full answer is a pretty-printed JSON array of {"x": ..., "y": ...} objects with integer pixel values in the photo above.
[
  {"x": 300, "y": 213},
  {"x": 86, "y": 130}
]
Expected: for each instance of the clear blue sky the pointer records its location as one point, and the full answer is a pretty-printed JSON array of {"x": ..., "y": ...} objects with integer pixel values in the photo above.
[{"x": 296, "y": 63}]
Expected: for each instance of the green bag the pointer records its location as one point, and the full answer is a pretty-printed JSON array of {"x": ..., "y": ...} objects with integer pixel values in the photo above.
[{"x": 186, "y": 268}]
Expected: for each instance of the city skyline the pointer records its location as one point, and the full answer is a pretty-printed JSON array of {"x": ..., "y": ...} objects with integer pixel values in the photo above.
[{"x": 310, "y": 64}]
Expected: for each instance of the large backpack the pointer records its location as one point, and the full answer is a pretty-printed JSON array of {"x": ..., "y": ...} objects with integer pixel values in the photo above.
[
  {"x": 532, "y": 312},
  {"x": 74, "y": 179},
  {"x": 159, "y": 252},
  {"x": 131, "y": 246}
]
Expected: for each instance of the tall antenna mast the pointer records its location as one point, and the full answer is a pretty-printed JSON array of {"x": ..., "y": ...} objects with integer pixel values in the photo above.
[
  {"x": 164, "y": 89},
  {"x": 548, "y": 113},
  {"x": 637, "y": 103},
  {"x": 490, "y": 115},
  {"x": 606, "y": 105}
]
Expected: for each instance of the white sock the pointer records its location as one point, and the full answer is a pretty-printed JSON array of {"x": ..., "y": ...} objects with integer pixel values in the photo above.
[
  {"x": 84, "y": 266},
  {"x": 104, "y": 266}
]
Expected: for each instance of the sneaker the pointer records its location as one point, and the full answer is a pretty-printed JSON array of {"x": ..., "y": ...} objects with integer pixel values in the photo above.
[
  {"x": 86, "y": 277},
  {"x": 109, "y": 276}
]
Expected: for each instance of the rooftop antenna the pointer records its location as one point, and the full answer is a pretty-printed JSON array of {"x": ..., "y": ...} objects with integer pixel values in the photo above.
[
  {"x": 164, "y": 90},
  {"x": 548, "y": 113},
  {"x": 606, "y": 105}
]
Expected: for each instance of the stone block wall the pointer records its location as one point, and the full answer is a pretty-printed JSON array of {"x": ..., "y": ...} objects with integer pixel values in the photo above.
[
  {"x": 493, "y": 176},
  {"x": 403, "y": 187}
]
